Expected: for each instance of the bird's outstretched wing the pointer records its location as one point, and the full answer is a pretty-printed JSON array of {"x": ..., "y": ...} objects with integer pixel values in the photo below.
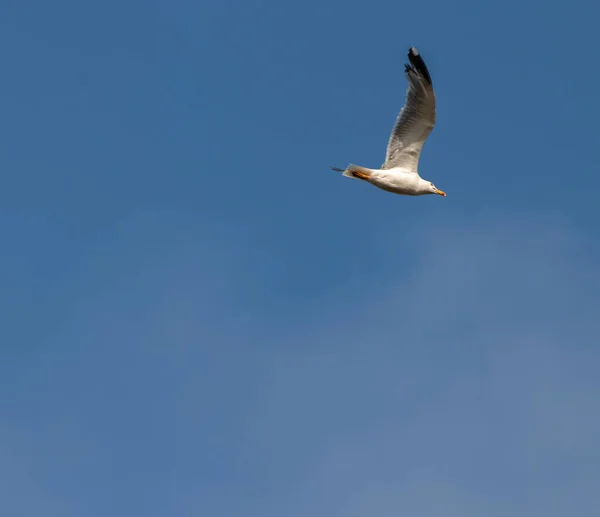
[{"x": 416, "y": 118}]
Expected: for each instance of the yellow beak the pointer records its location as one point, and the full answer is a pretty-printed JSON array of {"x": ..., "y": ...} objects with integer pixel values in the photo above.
[{"x": 440, "y": 192}]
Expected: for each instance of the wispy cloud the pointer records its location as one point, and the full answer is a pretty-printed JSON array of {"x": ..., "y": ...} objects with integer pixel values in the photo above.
[{"x": 465, "y": 388}]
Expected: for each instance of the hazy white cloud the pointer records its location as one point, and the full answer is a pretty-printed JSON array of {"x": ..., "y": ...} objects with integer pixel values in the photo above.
[{"x": 465, "y": 388}]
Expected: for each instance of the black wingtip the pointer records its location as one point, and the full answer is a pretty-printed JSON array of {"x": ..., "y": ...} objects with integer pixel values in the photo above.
[{"x": 418, "y": 64}]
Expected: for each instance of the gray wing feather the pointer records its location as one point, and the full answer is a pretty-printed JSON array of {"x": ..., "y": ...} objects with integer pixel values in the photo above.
[{"x": 416, "y": 118}]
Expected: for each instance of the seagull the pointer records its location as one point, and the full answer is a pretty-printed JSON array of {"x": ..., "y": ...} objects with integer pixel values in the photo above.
[{"x": 416, "y": 119}]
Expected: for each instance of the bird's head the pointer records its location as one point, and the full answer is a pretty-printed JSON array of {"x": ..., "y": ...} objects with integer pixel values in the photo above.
[{"x": 434, "y": 190}]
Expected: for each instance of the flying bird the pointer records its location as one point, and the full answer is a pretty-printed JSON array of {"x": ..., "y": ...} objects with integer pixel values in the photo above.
[{"x": 416, "y": 119}]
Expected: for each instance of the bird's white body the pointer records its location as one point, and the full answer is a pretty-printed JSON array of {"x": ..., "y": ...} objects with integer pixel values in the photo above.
[
  {"x": 399, "y": 173},
  {"x": 398, "y": 181}
]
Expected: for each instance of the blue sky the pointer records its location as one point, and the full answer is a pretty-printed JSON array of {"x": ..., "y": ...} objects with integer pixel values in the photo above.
[{"x": 198, "y": 317}]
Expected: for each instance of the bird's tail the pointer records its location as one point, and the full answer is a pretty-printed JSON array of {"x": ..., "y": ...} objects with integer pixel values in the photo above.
[{"x": 354, "y": 171}]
